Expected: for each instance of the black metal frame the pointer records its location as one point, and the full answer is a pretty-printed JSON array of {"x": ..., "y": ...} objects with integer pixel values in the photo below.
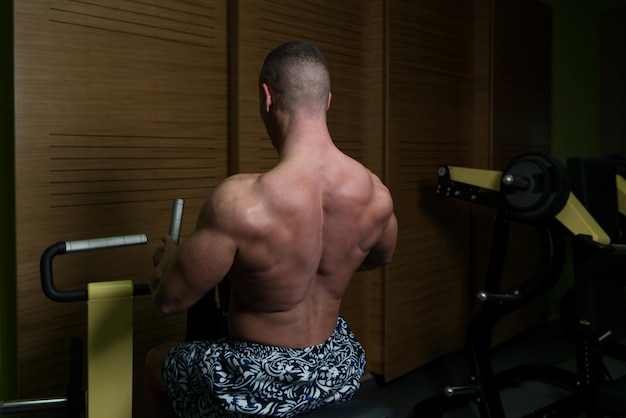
[
  {"x": 597, "y": 304},
  {"x": 485, "y": 385}
]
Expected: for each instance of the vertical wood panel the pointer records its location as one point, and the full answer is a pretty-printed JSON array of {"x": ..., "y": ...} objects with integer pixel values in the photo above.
[
  {"x": 521, "y": 123},
  {"x": 469, "y": 86},
  {"x": 522, "y": 79},
  {"x": 120, "y": 108},
  {"x": 368, "y": 304},
  {"x": 482, "y": 142},
  {"x": 430, "y": 123}
]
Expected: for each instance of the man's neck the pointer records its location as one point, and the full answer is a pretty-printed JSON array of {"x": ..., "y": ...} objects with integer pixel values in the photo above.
[{"x": 303, "y": 135}]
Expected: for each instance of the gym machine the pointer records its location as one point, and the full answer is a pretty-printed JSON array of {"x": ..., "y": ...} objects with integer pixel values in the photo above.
[
  {"x": 593, "y": 312},
  {"x": 110, "y": 340},
  {"x": 109, "y": 334},
  {"x": 533, "y": 188}
]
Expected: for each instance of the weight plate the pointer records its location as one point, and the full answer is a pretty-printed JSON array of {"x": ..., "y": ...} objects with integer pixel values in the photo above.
[
  {"x": 537, "y": 178},
  {"x": 542, "y": 190}
]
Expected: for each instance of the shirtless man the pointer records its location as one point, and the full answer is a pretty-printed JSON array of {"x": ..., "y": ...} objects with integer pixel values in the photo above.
[{"x": 289, "y": 240}]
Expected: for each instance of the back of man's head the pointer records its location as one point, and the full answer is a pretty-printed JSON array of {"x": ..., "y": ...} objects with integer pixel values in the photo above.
[{"x": 298, "y": 74}]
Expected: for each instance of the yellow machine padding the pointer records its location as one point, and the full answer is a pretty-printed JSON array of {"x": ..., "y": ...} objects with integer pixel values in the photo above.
[
  {"x": 574, "y": 216},
  {"x": 110, "y": 350},
  {"x": 486, "y": 179}
]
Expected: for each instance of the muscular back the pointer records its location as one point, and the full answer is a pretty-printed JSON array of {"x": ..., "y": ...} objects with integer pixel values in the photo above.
[
  {"x": 290, "y": 239},
  {"x": 301, "y": 231}
]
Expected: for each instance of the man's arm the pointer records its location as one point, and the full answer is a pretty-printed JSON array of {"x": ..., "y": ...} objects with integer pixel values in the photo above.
[
  {"x": 183, "y": 274},
  {"x": 382, "y": 252}
]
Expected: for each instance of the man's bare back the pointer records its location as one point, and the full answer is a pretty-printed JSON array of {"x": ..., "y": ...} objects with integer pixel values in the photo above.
[
  {"x": 296, "y": 235},
  {"x": 309, "y": 225}
]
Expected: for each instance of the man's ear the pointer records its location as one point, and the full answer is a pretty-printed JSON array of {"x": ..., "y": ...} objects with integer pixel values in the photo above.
[
  {"x": 268, "y": 98},
  {"x": 330, "y": 97}
]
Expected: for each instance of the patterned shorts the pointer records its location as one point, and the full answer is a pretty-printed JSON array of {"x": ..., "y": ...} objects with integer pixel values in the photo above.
[{"x": 234, "y": 378}]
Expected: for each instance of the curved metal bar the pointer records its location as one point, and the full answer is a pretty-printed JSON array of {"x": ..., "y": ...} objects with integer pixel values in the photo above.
[{"x": 45, "y": 265}]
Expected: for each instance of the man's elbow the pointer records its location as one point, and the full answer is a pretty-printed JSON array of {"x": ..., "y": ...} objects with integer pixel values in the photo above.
[
  {"x": 371, "y": 262},
  {"x": 166, "y": 307}
]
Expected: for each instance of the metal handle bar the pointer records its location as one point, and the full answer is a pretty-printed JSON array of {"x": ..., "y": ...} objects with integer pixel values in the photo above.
[
  {"x": 60, "y": 248},
  {"x": 31, "y": 405},
  {"x": 176, "y": 218},
  {"x": 589, "y": 242}
]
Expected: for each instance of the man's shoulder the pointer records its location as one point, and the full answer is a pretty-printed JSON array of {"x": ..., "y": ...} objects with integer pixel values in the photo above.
[
  {"x": 234, "y": 185},
  {"x": 242, "y": 178}
]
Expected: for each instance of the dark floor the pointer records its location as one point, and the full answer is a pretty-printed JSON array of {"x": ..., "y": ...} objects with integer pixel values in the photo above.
[{"x": 545, "y": 345}]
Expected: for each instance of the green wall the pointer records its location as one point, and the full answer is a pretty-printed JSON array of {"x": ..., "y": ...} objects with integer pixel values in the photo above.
[
  {"x": 576, "y": 75},
  {"x": 575, "y": 121},
  {"x": 8, "y": 334},
  {"x": 576, "y": 88}
]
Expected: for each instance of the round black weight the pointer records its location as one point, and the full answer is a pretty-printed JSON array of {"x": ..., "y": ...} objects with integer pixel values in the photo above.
[{"x": 534, "y": 186}]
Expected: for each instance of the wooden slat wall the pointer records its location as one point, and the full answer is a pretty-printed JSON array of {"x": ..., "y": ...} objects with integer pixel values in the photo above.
[
  {"x": 521, "y": 123},
  {"x": 430, "y": 97},
  {"x": 120, "y": 107},
  {"x": 350, "y": 33},
  {"x": 467, "y": 87},
  {"x": 521, "y": 79},
  {"x": 482, "y": 82}
]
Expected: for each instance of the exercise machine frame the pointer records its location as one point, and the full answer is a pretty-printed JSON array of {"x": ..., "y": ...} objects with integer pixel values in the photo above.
[{"x": 553, "y": 208}]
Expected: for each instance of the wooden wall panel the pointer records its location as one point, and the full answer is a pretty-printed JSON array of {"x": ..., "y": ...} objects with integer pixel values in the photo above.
[
  {"x": 120, "y": 107},
  {"x": 350, "y": 33},
  {"x": 467, "y": 86},
  {"x": 521, "y": 79},
  {"x": 482, "y": 85},
  {"x": 430, "y": 53},
  {"x": 521, "y": 123}
]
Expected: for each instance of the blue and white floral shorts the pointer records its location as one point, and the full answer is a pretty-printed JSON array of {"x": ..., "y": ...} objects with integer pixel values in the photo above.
[{"x": 234, "y": 378}]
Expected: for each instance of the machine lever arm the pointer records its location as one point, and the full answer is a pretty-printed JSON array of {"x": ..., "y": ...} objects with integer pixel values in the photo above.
[{"x": 60, "y": 248}]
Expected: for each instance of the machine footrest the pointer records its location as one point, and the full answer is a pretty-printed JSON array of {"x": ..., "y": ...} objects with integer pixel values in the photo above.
[{"x": 611, "y": 396}]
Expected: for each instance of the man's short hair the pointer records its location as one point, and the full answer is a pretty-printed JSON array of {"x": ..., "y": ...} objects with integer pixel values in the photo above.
[{"x": 298, "y": 72}]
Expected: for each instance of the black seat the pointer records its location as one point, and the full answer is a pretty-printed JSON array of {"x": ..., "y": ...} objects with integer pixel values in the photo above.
[
  {"x": 356, "y": 408},
  {"x": 610, "y": 396}
]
